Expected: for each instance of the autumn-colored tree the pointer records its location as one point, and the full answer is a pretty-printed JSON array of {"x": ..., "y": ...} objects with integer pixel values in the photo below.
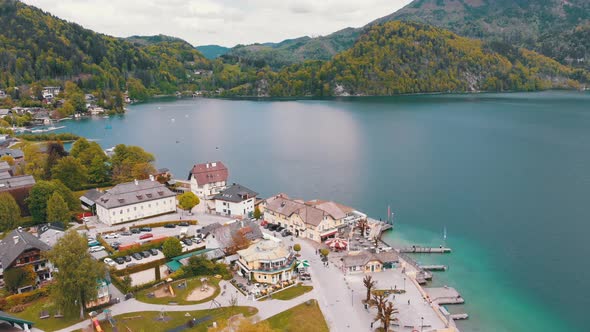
[
  {"x": 239, "y": 242},
  {"x": 257, "y": 214},
  {"x": 362, "y": 225}
]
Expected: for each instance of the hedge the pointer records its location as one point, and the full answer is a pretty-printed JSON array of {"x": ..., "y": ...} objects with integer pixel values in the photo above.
[
  {"x": 141, "y": 267},
  {"x": 164, "y": 223},
  {"x": 18, "y": 299},
  {"x": 105, "y": 244}
]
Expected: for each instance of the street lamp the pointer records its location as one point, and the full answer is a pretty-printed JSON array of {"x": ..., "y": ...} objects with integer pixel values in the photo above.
[
  {"x": 421, "y": 324},
  {"x": 404, "y": 284},
  {"x": 352, "y": 297}
]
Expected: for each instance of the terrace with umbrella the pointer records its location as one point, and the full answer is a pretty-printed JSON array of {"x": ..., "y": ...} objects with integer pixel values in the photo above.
[{"x": 337, "y": 244}]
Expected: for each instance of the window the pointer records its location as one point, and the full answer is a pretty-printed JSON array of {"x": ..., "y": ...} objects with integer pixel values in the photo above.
[
  {"x": 135, "y": 208},
  {"x": 113, "y": 213},
  {"x": 127, "y": 210},
  {"x": 149, "y": 205},
  {"x": 121, "y": 211}
]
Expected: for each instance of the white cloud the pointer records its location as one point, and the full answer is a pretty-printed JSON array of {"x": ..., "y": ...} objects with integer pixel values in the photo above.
[{"x": 223, "y": 22}]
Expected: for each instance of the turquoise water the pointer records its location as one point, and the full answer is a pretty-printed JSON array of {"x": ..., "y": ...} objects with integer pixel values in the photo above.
[{"x": 508, "y": 175}]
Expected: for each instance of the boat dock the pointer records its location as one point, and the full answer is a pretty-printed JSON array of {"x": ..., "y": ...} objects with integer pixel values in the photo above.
[
  {"x": 433, "y": 267},
  {"x": 422, "y": 276},
  {"x": 444, "y": 295},
  {"x": 425, "y": 250}
]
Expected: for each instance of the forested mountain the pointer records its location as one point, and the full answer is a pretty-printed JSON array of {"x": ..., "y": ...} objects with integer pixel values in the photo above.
[
  {"x": 212, "y": 51},
  {"x": 290, "y": 51},
  {"x": 397, "y": 57},
  {"x": 149, "y": 40},
  {"x": 38, "y": 47},
  {"x": 559, "y": 29}
]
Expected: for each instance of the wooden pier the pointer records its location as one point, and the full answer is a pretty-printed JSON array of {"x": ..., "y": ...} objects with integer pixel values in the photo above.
[
  {"x": 425, "y": 250},
  {"x": 444, "y": 295},
  {"x": 433, "y": 267}
]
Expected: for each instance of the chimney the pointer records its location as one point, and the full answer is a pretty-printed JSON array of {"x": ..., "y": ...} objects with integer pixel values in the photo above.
[
  {"x": 136, "y": 182},
  {"x": 207, "y": 165},
  {"x": 16, "y": 238}
]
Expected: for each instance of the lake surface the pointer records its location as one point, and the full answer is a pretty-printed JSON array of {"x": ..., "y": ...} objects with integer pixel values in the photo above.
[{"x": 508, "y": 175}]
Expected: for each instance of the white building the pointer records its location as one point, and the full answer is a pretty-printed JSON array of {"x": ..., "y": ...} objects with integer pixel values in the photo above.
[
  {"x": 208, "y": 179},
  {"x": 2, "y": 94},
  {"x": 135, "y": 200},
  {"x": 236, "y": 200},
  {"x": 51, "y": 91}
]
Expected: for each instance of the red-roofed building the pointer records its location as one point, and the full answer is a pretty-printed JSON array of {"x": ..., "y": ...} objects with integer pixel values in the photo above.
[{"x": 208, "y": 179}]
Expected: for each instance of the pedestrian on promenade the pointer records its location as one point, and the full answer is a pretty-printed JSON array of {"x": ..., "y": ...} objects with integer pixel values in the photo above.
[{"x": 408, "y": 301}]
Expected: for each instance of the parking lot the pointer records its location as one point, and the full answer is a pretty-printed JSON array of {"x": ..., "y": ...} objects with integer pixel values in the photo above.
[{"x": 124, "y": 238}]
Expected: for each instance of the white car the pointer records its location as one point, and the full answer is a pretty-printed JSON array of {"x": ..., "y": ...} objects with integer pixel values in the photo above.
[
  {"x": 96, "y": 249},
  {"x": 111, "y": 236},
  {"x": 109, "y": 262}
]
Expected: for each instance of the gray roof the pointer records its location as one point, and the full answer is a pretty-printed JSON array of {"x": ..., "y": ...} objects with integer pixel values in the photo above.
[
  {"x": 365, "y": 257},
  {"x": 14, "y": 153},
  {"x": 4, "y": 167},
  {"x": 133, "y": 193},
  {"x": 235, "y": 193},
  {"x": 91, "y": 196},
  {"x": 16, "y": 182},
  {"x": 224, "y": 235},
  {"x": 9, "y": 250}
]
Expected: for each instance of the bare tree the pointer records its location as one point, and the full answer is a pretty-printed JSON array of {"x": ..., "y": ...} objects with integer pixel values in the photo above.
[
  {"x": 379, "y": 300},
  {"x": 362, "y": 225},
  {"x": 387, "y": 315},
  {"x": 369, "y": 284}
]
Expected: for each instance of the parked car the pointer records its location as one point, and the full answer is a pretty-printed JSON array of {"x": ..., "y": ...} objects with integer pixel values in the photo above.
[
  {"x": 115, "y": 245},
  {"x": 187, "y": 241},
  {"x": 120, "y": 260},
  {"x": 145, "y": 254},
  {"x": 93, "y": 243},
  {"x": 109, "y": 262},
  {"x": 286, "y": 232},
  {"x": 127, "y": 258},
  {"x": 170, "y": 226},
  {"x": 146, "y": 229},
  {"x": 280, "y": 229},
  {"x": 125, "y": 233},
  {"x": 183, "y": 224},
  {"x": 153, "y": 251},
  {"x": 146, "y": 236},
  {"x": 135, "y": 230},
  {"x": 137, "y": 256},
  {"x": 131, "y": 265},
  {"x": 111, "y": 236},
  {"x": 96, "y": 248}
]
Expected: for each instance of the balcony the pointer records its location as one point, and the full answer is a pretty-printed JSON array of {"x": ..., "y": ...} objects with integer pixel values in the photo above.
[{"x": 276, "y": 268}]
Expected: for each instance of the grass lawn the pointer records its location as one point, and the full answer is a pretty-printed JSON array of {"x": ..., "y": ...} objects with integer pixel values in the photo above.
[
  {"x": 304, "y": 317},
  {"x": 291, "y": 293},
  {"x": 32, "y": 311},
  {"x": 181, "y": 293},
  {"x": 147, "y": 320}
]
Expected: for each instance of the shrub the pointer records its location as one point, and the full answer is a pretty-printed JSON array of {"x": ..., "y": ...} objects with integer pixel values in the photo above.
[
  {"x": 19, "y": 299},
  {"x": 172, "y": 247}
]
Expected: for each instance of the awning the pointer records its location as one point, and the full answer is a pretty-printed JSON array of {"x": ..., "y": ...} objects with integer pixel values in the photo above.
[
  {"x": 174, "y": 266},
  {"x": 330, "y": 233},
  {"x": 87, "y": 201}
]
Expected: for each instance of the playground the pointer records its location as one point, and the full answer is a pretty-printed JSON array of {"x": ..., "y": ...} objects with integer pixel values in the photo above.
[
  {"x": 185, "y": 291},
  {"x": 200, "y": 320}
]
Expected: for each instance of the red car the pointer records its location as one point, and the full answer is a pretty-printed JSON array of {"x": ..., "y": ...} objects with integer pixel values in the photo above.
[{"x": 146, "y": 236}]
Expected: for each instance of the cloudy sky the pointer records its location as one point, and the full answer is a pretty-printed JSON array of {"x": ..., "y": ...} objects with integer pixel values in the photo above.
[{"x": 222, "y": 22}]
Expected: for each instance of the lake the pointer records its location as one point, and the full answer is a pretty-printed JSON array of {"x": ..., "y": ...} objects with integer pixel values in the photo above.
[{"x": 508, "y": 175}]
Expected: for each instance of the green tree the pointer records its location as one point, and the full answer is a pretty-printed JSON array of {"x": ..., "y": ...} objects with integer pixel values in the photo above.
[
  {"x": 126, "y": 282},
  {"x": 16, "y": 278},
  {"x": 8, "y": 159},
  {"x": 9, "y": 212},
  {"x": 137, "y": 90},
  {"x": 171, "y": 247},
  {"x": 70, "y": 172},
  {"x": 57, "y": 209},
  {"x": 188, "y": 200},
  {"x": 75, "y": 283},
  {"x": 75, "y": 96},
  {"x": 125, "y": 160},
  {"x": 35, "y": 161},
  {"x": 67, "y": 109},
  {"x": 86, "y": 151},
  {"x": 40, "y": 194},
  {"x": 98, "y": 171},
  {"x": 257, "y": 213}
]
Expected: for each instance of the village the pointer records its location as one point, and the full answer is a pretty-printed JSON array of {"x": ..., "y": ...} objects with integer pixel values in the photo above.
[{"x": 173, "y": 245}]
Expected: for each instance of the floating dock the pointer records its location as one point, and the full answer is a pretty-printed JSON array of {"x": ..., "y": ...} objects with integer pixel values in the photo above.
[
  {"x": 444, "y": 295},
  {"x": 425, "y": 250},
  {"x": 459, "y": 316},
  {"x": 433, "y": 267}
]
